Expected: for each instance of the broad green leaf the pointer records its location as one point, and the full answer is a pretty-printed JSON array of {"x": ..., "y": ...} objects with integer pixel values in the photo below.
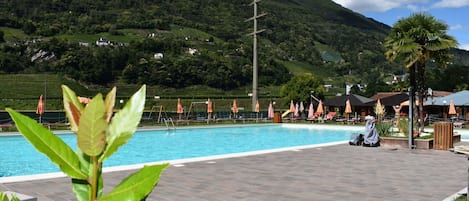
[
  {"x": 124, "y": 123},
  {"x": 136, "y": 186},
  {"x": 109, "y": 103},
  {"x": 4, "y": 197},
  {"x": 49, "y": 144},
  {"x": 91, "y": 135},
  {"x": 72, "y": 107},
  {"x": 81, "y": 188}
]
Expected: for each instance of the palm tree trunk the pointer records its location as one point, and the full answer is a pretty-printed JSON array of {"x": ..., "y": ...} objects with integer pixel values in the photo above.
[
  {"x": 412, "y": 86},
  {"x": 421, "y": 92}
]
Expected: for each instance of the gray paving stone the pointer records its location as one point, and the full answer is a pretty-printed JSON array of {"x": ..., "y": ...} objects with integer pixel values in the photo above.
[{"x": 339, "y": 172}]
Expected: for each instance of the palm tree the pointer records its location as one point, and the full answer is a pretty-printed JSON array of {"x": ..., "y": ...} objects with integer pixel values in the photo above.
[{"x": 414, "y": 41}]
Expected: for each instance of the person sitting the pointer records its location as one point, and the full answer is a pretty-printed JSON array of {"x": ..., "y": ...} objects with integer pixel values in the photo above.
[{"x": 371, "y": 137}]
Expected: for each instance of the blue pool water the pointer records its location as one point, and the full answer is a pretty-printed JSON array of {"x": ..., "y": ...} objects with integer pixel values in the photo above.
[{"x": 18, "y": 157}]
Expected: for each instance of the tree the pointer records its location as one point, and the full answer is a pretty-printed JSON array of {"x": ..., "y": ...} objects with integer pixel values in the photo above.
[
  {"x": 300, "y": 87},
  {"x": 414, "y": 41},
  {"x": 2, "y": 36}
]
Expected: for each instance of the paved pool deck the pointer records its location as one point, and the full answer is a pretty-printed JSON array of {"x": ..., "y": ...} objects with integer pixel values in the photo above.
[{"x": 338, "y": 172}]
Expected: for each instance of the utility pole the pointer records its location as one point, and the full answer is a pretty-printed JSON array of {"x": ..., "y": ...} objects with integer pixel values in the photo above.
[{"x": 254, "y": 52}]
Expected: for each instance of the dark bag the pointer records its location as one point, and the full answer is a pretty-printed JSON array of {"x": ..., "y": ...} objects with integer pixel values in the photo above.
[{"x": 356, "y": 139}]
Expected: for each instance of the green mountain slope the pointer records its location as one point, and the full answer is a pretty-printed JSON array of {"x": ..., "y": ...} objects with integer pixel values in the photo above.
[{"x": 300, "y": 36}]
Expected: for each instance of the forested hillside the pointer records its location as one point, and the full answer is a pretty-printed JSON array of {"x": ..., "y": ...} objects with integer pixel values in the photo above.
[{"x": 179, "y": 43}]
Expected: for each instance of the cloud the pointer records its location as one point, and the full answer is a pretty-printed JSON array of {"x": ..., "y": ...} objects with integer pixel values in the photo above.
[
  {"x": 379, "y": 5},
  {"x": 464, "y": 47},
  {"x": 451, "y": 4},
  {"x": 456, "y": 27}
]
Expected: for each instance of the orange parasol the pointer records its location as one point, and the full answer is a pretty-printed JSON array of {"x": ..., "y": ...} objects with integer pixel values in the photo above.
[
  {"x": 180, "y": 110},
  {"x": 292, "y": 106},
  {"x": 235, "y": 107},
  {"x": 40, "y": 108},
  {"x": 348, "y": 107},
  {"x": 257, "y": 106},
  {"x": 320, "y": 109},
  {"x": 209, "y": 110},
  {"x": 452, "y": 109},
  {"x": 209, "y": 106}
]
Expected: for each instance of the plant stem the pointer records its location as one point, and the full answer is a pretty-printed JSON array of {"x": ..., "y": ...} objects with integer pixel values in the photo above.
[{"x": 94, "y": 179}]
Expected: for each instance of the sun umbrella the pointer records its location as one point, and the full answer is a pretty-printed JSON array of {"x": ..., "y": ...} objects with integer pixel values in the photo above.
[
  {"x": 257, "y": 109},
  {"x": 320, "y": 109},
  {"x": 209, "y": 110},
  {"x": 40, "y": 108},
  {"x": 209, "y": 106},
  {"x": 302, "y": 108},
  {"x": 297, "y": 110},
  {"x": 234, "y": 108},
  {"x": 270, "y": 113},
  {"x": 180, "y": 110},
  {"x": 348, "y": 107},
  {"x": 311, "y": 111},
  {"x": 452, "y": 109},
  {"x": 257, "y": 106},
  {"x": 292, "y": 106}
]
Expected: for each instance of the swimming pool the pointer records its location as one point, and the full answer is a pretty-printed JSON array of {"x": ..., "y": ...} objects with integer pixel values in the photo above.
[{"x": 20, "y": 158}]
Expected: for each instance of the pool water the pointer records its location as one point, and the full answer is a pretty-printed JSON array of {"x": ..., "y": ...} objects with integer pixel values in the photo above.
[{"x": 18, "y": 157}]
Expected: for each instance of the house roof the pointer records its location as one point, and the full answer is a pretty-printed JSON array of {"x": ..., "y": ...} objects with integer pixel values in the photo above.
[
  {"x": 395, "y": 99},
  {"x": 460, "y": 99},
  {"x": 441, "y": 93},
  {"x": 382, "y": 95},
  {"x": 355, "y": 100}
]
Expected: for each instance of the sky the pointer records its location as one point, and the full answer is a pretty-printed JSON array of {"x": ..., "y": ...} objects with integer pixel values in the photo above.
[{"x": 455, "y": 13}]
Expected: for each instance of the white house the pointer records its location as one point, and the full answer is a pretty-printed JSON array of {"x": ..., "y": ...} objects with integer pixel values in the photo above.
[
  {"x": 158, "y": 55},
  {"x": 192, "y": 51},
  {"x": 103, "y": 42}
]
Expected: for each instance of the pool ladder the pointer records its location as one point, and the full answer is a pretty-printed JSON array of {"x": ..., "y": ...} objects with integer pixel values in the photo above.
[{"x": 169, "y": 122}]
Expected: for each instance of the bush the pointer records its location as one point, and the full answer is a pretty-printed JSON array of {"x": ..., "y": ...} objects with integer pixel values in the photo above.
[
  {"x": 383, "y": 128},
  {"x": 404, "y": 126}
]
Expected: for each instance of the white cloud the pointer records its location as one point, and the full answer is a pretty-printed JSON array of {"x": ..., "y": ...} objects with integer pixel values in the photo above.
[
  {"x": 415, "y": 8},
  {"x": 456, "y": 27},
  {"x": 451, "y": 4},
  {"x": 378, "y": 5},
  {"x": 464, "y": 47}
]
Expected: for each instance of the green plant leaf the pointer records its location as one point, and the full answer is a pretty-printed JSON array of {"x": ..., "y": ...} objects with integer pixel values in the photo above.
[
  {"x": 91, "y": 135},
  {"x": 72, "y": 107},
  {"x": 82, "y": 188},
  {"x": 109, "y": 103},
  {"x": 124, "y": 123},
  {"x": 136, "y": 186},
  {"x": 49, "y": 144}
]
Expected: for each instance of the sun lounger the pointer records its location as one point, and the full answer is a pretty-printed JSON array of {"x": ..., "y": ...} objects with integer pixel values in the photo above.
[
  {"x": 6, "y": 125},
  {"x": 459, "y": 124}
]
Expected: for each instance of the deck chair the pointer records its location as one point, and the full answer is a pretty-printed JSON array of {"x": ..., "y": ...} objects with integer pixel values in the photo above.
[{"x": 329, "y": 116}]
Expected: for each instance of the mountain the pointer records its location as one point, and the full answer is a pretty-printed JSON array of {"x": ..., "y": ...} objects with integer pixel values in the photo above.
[{"x": 204, "y": 42}]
